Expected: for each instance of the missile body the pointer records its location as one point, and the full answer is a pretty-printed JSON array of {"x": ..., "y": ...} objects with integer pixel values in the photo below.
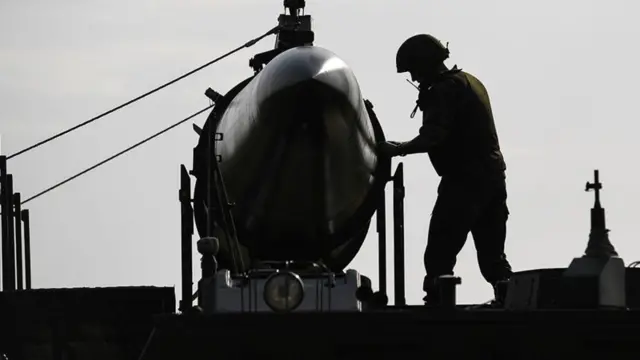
[{"x": 298, "y": 159}]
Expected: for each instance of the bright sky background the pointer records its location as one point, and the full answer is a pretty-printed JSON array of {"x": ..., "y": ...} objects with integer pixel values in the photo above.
[{"x": 557, "y": 72}]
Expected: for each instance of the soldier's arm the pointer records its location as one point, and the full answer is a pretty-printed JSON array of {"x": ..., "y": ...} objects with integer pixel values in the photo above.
[{"x": 437, "y": 116}]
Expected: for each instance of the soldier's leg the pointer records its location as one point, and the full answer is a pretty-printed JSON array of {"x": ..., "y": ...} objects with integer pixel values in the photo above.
[
  {"x": 489, "y": 235},
  {"x": 451, "y": 220}
]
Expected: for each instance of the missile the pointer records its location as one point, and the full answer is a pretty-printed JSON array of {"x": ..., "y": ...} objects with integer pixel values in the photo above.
[{"x": 298, "y": 159}]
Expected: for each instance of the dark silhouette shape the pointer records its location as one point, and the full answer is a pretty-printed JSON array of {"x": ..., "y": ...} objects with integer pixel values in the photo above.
[
  {"x": 599, "y": 244},
  {"x": 27, "y": 248},
  {"x": 459, "y": 134},
  {"x": 598, "y": 278}
]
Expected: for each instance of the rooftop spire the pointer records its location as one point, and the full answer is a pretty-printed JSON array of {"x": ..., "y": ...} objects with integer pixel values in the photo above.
[{"x": 599, "y": 244}]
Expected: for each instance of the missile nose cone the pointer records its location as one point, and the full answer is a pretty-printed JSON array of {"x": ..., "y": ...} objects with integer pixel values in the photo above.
[
  {"x": 317, "y": 91},
  {"x": 298, "y": 156}
]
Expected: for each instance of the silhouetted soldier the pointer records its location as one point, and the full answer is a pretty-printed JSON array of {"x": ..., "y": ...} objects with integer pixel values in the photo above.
[{"x": 458, "y": 133}]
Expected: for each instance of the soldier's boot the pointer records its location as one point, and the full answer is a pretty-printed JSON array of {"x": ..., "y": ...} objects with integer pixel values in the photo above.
[
  {"x": 500, "y": 292},
  {"x": 432, "y": 294}
]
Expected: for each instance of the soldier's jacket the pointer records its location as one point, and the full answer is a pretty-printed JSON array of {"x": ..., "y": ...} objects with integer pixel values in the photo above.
[{"x": 458, "y": 125}]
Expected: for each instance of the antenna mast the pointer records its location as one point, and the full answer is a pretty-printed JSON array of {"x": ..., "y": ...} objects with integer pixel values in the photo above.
[{"x": 294, "y": 29}]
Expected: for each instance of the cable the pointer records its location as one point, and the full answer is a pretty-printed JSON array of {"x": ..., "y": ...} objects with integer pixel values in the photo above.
[
  {"x": 146, "y": 345},
  {"x": 246, "y": 45},
  {"x": 634, "y": 264},
  {"x": 116, "y": 155}
]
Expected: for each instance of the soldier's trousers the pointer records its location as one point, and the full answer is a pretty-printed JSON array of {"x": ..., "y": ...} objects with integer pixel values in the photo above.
[{"x": 468, "y": 205}]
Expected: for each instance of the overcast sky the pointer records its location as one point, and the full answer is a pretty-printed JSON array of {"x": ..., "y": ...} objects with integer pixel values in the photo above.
[{"x": 558, "y": 74}]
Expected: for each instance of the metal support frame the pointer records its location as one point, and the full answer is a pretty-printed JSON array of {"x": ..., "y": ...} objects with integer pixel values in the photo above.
[
  {"x": 4, "y": 214},
  {"x": 398, "y": 239},
  {"x": 16, "y": 255},
  {"x": 17, "y": 216},
  {"x": 398, "y": 235},
  {"x": 27, "y": 249},
  {"x": 381, "y": 222},
  {"x": 187, "y": 237},
  {"x": 11, "y": 256},
  {"x": 8, "y": 241},
  {"x": 224, "y": 206}
]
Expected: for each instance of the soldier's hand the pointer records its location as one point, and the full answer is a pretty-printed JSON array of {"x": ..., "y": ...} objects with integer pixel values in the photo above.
[{"x": 389, "y": 148}]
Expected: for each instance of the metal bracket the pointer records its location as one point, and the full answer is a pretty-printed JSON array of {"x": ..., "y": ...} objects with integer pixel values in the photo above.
[
  {"x": 213, "y": 95},
  {"x": 184, "y": 196}
]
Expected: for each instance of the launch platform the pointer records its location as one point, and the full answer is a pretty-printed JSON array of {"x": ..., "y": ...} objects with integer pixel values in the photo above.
[{"x": 139, "y": 323}]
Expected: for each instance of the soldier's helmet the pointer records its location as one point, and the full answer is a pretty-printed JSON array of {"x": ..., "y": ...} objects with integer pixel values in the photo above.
[{"x": 420, "y": 51}]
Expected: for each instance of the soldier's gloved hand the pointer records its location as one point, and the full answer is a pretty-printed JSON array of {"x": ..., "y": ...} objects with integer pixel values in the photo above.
[{"x": 389, "y": 148}]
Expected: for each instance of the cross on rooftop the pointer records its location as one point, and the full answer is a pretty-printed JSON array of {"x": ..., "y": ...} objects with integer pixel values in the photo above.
[{"x": 596, "y": 185}]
